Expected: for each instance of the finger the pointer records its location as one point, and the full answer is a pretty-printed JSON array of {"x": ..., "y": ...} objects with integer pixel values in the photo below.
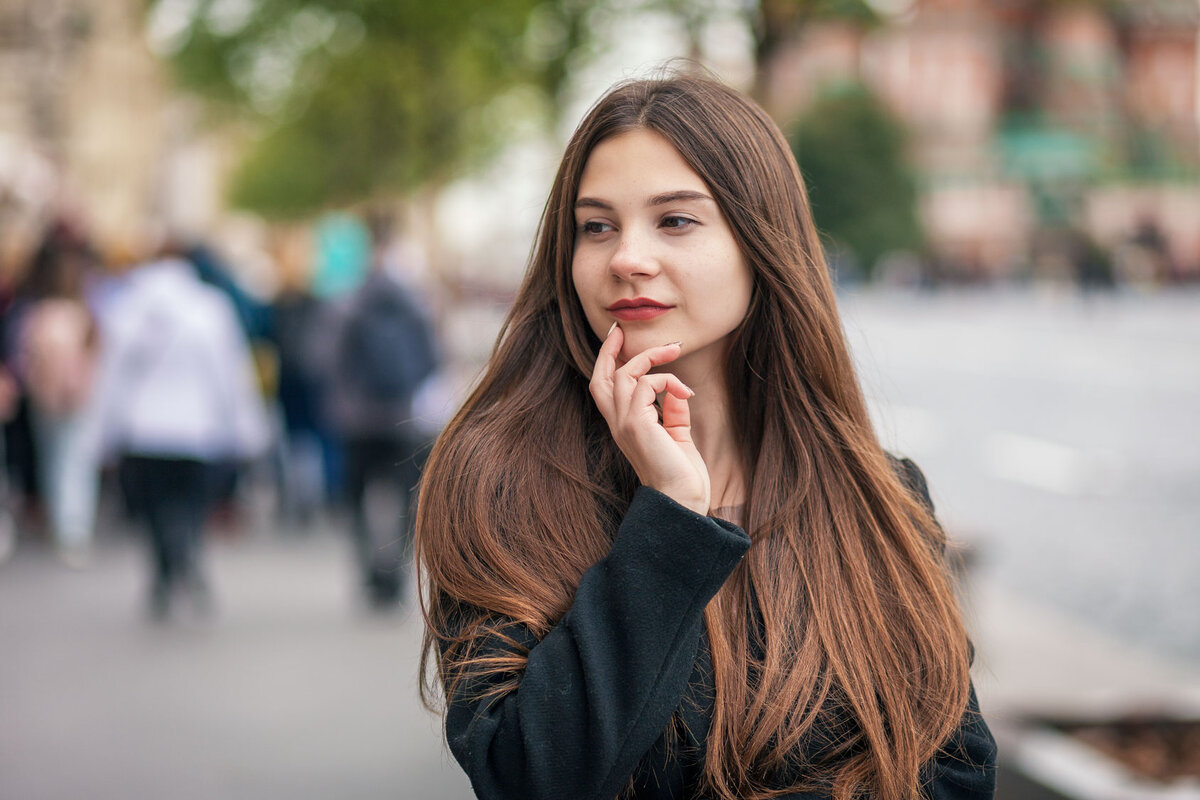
[
  {"x": 648, "y": 388},
  {"x": 606, "y": 364},
  {"x": 626, "y": 377},
  {"x": 677, "y": 417},
  {"x": 641, "y": 364},
  {"x": 610, "y": 348}
]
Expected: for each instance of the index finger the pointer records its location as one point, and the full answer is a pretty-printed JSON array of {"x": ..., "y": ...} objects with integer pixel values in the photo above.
[
  {"x": 606, "y": 358},
  {"x": 651, "y": 357}
]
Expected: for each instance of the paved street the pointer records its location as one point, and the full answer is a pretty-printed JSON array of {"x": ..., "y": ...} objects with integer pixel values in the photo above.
[
  {"x": 1061, "y": 439},
  {"x": 291, "y": 693}
]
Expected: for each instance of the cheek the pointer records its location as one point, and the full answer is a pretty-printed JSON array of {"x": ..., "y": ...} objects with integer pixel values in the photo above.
[
  {"x": 583, "y": 277},
  {"x": 726, "y": 289},
  {"x": 745, "y": 289},
  {"x": 585, "y": 291},
  {"x": 580, "y": 284},
  {"x": 740, "y": 284}
]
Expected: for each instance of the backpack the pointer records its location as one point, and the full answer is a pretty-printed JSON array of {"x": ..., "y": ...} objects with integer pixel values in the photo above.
[
  {"x": 387, "y": 350},
  {"x": 298, "y": 324}
]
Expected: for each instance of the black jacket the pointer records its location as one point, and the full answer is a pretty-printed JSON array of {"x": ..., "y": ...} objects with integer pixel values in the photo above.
[{"x": 601, "y": 687}]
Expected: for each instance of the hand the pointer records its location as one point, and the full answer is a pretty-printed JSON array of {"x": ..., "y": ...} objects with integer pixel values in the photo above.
[{"x": 662, "y": 453}]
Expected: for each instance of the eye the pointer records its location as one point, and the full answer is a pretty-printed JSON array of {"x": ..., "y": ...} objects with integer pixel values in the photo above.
[
  {"x": 594, "y": 227},
  {"x": 678, "y": 223}
]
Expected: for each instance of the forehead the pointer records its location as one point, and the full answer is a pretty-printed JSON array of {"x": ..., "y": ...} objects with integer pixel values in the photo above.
[{"x": 638, "y": 162}]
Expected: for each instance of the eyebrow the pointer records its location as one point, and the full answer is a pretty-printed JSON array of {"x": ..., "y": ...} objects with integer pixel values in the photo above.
[
  {"x": 656, "y": 200},
  {"x": 676, "y": 196}
]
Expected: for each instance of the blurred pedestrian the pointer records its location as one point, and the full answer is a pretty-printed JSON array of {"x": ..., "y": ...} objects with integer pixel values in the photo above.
[
  {"x": 666, "y": 555},
  {"x": 1093, "y": 268},
  {"x": 1146, "y": 256},
  {"x": 385, "y": 351},
  {"x": 253, "y": 314},
  {"x": 299, "y": 330},
  {"x": 254, "y": 321},
  {"x": 176, "y": 401},
  {"x": 9, "y": 395},
  {"x": 56, "y": 356}
]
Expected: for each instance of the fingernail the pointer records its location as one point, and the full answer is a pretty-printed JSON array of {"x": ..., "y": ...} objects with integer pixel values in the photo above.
[
  {"x": 675, "y": 343},
  {"x": 610, "y": 330},
  {"x": 691, "y": 391}
]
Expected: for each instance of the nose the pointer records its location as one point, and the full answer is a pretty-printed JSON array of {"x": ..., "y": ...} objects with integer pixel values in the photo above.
[{"x": 633, "y": 258}]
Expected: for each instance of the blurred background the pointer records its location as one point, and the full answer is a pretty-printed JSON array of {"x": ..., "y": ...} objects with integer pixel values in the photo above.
[{"x": 1010, "y": 196}]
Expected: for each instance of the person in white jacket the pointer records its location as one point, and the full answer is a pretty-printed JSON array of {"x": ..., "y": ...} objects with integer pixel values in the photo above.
[{"x": 175, "y": 397}]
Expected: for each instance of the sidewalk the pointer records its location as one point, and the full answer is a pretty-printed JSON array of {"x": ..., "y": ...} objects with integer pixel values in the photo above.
[
  {"x": 291, "y": 692},
  {"x": 1032, "y": 659},
  {"x": 294, "y": 691},
  {"x": 1035, "y": 662}
]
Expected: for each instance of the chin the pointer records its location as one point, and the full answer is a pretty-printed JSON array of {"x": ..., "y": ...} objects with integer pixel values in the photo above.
[{"x": 639, "y": 340}]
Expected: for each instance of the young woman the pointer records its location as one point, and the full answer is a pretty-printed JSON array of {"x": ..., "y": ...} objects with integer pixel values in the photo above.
[{"x": 663, "y": 551}]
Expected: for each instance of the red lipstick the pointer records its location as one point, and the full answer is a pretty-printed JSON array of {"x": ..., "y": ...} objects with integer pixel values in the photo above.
[{"x": 639, "y": 308}]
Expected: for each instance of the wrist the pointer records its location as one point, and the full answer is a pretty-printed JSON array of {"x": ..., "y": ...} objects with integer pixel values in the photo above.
[{"x": 689, "y": 500}]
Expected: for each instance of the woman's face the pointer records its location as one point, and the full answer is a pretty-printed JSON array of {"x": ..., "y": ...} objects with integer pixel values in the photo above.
[{"x": 653, "y": 251}]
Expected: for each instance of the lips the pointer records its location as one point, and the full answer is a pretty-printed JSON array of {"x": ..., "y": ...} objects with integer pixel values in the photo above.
[{"x": 639, "y": 308}]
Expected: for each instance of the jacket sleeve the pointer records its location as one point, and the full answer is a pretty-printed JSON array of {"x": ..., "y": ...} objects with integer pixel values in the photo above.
[{"x": 599, "y": 689}]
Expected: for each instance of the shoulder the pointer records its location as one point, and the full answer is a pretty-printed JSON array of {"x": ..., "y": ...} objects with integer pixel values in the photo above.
[
  {"x": 912, "y": 478},
  {"x": 207, "y": 308}
]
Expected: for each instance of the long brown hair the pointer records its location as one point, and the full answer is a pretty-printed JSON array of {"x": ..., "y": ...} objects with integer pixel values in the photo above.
[{"x": 841, "y": 619}]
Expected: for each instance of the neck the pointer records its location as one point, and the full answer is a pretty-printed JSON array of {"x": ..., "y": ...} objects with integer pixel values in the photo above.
[{"x": 713, "y": 429}]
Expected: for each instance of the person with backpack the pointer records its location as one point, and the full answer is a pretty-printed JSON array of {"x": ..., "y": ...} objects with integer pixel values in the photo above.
[
  {"x": 175, "y": 401},
  {"x": 385, "y": 351}
]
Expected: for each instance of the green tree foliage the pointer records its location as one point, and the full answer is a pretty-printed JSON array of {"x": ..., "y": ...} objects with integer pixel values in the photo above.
[
  {"x": 851, "y": 153},
  {"x": 355, "y": 98}
]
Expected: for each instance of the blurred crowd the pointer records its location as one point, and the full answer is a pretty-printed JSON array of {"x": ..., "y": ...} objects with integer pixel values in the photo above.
[
  {"x": 1063, "y": 255},
  {"x": 147, "y": 375}
]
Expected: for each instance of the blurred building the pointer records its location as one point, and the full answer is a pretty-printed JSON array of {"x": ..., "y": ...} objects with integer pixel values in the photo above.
[
  {"x": 88, "y": 126},
  {"x": 1029, "y": 116}
]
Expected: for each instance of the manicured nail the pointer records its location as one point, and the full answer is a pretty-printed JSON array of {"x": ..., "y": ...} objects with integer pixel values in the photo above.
[
  {"x": 691, "y": 391},
  {"x": 680, "y": 344},
  {"x": 610, "y": 330}
]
